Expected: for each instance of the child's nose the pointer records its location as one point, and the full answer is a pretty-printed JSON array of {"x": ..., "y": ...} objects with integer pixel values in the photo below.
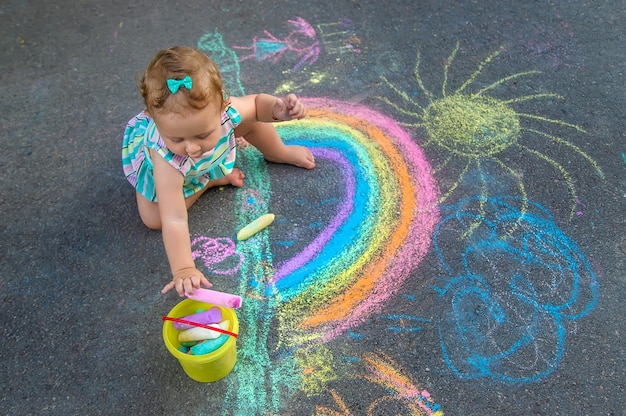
[{"x": 193, "y": 148}]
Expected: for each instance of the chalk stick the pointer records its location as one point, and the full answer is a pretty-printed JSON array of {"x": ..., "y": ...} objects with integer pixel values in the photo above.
[
  {"x": 212, "y": 316},
  {"x": 255, "y": 226},
  {"x": 209, "y": 345},
  {"x": 214, "y": 297},
  {"x": 198, "y": 333}
]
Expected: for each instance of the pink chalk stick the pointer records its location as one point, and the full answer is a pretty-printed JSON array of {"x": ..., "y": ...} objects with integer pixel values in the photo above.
[
  {"x": 214, "y": 297},
  {"x": 212, "y": 316}
]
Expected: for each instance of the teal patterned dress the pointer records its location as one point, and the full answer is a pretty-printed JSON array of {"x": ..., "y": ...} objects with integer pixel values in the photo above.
[{"x": 141, "y": 135}]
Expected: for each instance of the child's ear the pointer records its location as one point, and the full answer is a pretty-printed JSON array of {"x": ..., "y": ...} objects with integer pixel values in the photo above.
[{"x": 225, "y": 99}]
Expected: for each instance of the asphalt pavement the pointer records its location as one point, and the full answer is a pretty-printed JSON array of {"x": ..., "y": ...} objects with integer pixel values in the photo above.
[{"x": 459, "y": 248}]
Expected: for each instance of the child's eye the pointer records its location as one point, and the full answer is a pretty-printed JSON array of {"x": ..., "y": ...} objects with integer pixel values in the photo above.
[{"x": 203, "y": 136}]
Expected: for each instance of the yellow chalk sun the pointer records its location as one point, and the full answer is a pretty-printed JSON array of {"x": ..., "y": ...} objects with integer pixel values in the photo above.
[{"x": 477, "y": 127}]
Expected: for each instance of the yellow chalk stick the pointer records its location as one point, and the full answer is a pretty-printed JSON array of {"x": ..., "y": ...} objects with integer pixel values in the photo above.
[
  {"x": 255, "y": 226},
  {"x": 198, "y": 333}
]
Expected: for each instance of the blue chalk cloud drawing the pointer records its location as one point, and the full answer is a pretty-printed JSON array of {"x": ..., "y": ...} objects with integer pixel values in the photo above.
[{"x": 515, "y": 285}]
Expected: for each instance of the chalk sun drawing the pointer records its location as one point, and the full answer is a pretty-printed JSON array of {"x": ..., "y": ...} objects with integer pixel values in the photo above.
[
  {"x": 478, "y": 127},
  {"x": 509, "y": 299}
]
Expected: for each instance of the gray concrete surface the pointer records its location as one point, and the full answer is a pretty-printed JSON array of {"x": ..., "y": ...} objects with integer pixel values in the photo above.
[{"x": 468, "y": 267}]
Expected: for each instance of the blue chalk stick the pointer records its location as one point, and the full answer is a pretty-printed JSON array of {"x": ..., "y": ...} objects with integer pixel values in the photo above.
[{"x": 209, "y": 345}]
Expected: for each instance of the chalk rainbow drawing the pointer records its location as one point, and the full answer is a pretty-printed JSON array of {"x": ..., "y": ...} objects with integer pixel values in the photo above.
[
  {"x": 380, "y": 233},
  {"x": 511, "y": 291},
  {"x": 478, "y": 127}
]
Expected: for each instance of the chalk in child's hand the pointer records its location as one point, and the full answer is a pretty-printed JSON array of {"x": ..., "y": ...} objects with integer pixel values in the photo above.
[
  {"x": 255, "y": 226},
  {"x": 214, "y": 297}
]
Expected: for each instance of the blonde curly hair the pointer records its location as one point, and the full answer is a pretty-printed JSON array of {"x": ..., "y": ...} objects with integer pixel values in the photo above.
[{"x": 176, "y": 63}]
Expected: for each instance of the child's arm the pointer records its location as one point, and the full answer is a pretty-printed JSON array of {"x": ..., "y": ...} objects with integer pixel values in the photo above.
[
  {"x": 173, "y": 212},
  {"x": 267, "y": 108}
]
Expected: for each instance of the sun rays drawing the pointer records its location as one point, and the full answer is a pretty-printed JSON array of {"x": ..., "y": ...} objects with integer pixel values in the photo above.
[{"x": 477, "y": 127}]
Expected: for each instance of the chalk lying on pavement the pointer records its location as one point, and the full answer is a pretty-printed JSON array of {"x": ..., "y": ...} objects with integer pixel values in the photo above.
[{"x": 255, "y": 226}]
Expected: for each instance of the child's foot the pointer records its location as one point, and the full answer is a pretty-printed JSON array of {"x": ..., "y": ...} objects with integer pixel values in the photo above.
[
  {"x": 234, "y": 178},
  {"x": 295, "y": 155}
]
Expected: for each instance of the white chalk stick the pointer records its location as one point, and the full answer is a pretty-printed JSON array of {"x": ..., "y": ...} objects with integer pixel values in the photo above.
[
  {"x": 198, "y": 334},
  {"x": 255, "y": 226}
]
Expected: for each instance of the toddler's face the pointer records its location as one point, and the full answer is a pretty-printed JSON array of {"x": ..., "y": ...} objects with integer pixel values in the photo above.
[{"x": 192, "y": 133}]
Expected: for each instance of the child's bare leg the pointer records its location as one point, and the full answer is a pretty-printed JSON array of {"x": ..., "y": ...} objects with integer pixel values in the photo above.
[
  {"x": 264, "y": 137},
  {"x": 234, "y": 178},
  {"x": 149, "y": 211}
]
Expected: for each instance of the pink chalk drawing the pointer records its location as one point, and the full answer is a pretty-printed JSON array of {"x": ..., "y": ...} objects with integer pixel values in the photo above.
[
  {"x": 303, "y": 41},
  {"x": 217, "y": 254}
]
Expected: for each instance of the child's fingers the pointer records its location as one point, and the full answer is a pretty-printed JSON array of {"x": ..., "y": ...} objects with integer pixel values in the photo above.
[
  {"x": 183, "y": 287},
  {"x": 167, "y": 287},
  {"x": 192, "y": 283},
  {"x": 205, "y": 282},
  {"x": 299, "y": 111},
  {"x": 186, "y": 281},
  {"x": 291, "y": 101},
  {"x": 196, "y": 281},
  {"x": 294, "y": 106}
]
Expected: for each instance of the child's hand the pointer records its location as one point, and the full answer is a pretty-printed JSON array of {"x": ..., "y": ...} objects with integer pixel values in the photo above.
[
  {"x": 186, "y": 280},
  {"x": 288, "y": 108}
]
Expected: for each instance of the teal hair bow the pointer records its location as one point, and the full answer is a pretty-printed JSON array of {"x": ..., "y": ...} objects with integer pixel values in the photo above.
[{"x": 175, "y": 84}]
